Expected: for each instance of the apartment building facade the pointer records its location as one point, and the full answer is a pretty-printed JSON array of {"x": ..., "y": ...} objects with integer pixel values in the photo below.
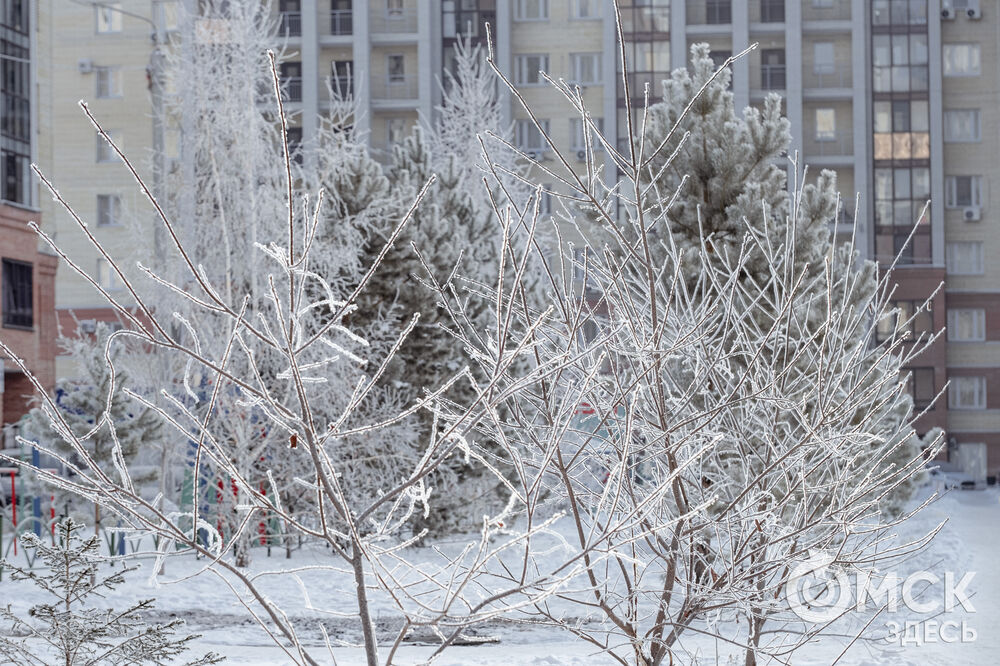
[
  {"x": 27, "y": 311},
  {"x": 898, "y": 97}
]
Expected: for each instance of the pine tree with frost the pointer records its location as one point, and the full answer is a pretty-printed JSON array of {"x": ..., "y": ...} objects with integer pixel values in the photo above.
[
  {"x": 70, "y": 628},
  {"x": 452, "y": 241},
  {"x": 728, "y": 182},
  {"x": 95, "y": 395}
]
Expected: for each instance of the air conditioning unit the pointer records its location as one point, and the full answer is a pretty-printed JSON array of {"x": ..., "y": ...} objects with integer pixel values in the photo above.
[
  {"x": 972, "y": 213},
  {"x": 947, "y": 14},
  {"x": 974, "y": 13},
  {"x": 581, "y": 155},
  {"x": 85, "y": 65},
  {"x": 88, "y": 326},
  {"x": 533, "y": 154}
]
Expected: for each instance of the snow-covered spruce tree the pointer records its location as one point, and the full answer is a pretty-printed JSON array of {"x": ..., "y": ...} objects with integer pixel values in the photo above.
[
  {"x": 111, "y": 427},
  {"x": 743, "y": 417},
  {"x": 69, "y": 628},
  {"x": 729, "y": 183},
  {"x": 459, "y": 242}
]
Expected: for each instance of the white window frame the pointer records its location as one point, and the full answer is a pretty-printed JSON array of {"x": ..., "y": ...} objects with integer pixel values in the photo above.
[
  {"x": 951, "y": 191},
  {"x": 524, "y": 74},
  {"x": 960, "y": 319},
  {"x": 976, "y": 385},
  {"x": 824, "y": 4},
  {"x": 525, "y": 132},
  {"x": 111, "y": 77},
  {"x": 389, "y": 59},
  {"x": 947, "y": 49},
  {"x": 595, "y": 11},
  {"x": 521, "y": 10},
  {"x": 109, "y": 210},
  {"x": 576, "y": 134},
  {"x": 822, "y": 66},
  {"x": 832, "y": 135},
  {"x": 389, "y": 130},
  {"x": 578, "y": 59},
  {"x": 108, "y": 18},
  {"x": 964, "y": 258},
  {"x": 106, "y": 276},
  {"x": 974, "y": 123},
  {"x": 105, "y": 153}
]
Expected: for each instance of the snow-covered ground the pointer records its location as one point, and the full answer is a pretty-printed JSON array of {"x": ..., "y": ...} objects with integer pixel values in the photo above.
[{"x": 969, "y": 541}]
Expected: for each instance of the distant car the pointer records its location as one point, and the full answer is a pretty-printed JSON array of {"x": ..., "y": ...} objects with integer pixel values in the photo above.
[{"x": 950, "y": 476}]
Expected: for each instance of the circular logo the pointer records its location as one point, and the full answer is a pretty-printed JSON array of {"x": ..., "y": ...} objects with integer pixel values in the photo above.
[{"x": 817, "y": 592}]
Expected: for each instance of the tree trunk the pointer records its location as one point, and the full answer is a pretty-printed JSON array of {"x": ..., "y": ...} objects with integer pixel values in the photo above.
[{"x": 371, "y": 646}]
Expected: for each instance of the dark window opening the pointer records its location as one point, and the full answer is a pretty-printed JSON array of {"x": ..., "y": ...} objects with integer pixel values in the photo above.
[
  {"x": 17, "y": 294},
  {"x": 772, "y": 69}
]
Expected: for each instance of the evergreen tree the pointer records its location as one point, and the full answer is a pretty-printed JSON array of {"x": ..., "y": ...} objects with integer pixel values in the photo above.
[
  {"x": 729, "y": 185},
  {"x": 73, "y": 631},
  {"x": 84, "y": 401}
]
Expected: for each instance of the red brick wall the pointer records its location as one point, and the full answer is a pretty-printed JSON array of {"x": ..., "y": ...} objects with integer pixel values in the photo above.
[{"x": 37, "y": 347}]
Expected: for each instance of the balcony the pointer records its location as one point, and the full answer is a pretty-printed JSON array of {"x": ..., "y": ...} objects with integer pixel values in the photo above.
[
  {"x": 772, "y": 77},
  {"x": 702, "y": 12},
  {"x": 831, "y": 150},
  {"x": 466, "y": 23},
  {"x": 339, "y": 86},
  {"x": 395, "y": 91},
  {"x": 826, "y": 79},
  {"x": 341, "y": 22},
  {"x": 292, "y": 89},
  {"x": 396, "y": 22},
  {"x": 290, "y": 24},
  {"x": 836, "y": 11}
]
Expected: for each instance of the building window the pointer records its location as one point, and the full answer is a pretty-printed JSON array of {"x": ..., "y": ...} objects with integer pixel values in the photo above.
[
  {"x": 291, "y": 81},
  {"x": 394, "y": 8},
  {"x": 967, "y": 393},
  {"x": 545, "y": 200},
  {"x": 16, "y": 177},
  {"x": 109, "y": 210},
  {"x": 907, "y": 320},
  {"x": 920, "y": 386},
  {"x": 823, "y": 62},
  {"x": 109, "y": 81},
  {"x": 587, "y": 68},
  {"x": 587, "y": 9},
  {"x": 396, "y": 68},
  {"x": 109, "y": 17},
  {"x": 528, "y": 138},
  {"x": 899, "y": 62},
  {"x": 531, "y": 10},
  {"x": 105, "y": 153},
  {"x": 395, "y": 130},
  {"x": 342, "y": 82},
  {"x": 772, "y": 11},
  {"x": 14, "y": 15},
  {"x": 528, "y": 68},
  {"x": 902, "y": 130},
  {"x": 901, "y": 195},
  {"x": 960, "y": 59},
  {"x": 576, "y": 134},
  {"x": 17, "y": 294},
  {"x": 962, "y": 191},
  {"x": 961, "y": 125},
  {"x": 718, "y": 12},
  {"x": 107, "y": 278},
  {"x": 826, "y": 124},
  {"x": 966, "y": 324},
  {"x": 772, "y": 69},
  {"x": 293, "y": 136},
  {"x": 964, "y": 258}
]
